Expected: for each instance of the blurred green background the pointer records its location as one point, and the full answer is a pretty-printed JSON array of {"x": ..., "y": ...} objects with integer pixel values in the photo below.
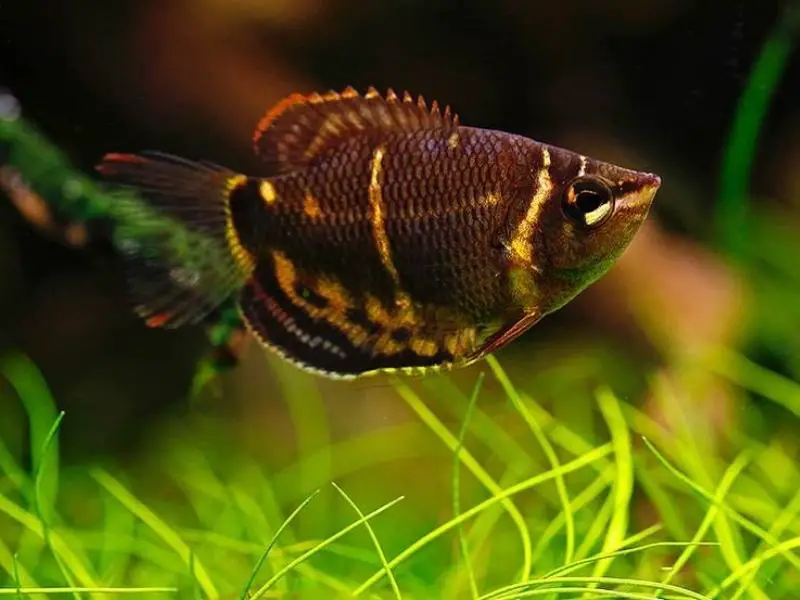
[{"x": 653, "y": 85}]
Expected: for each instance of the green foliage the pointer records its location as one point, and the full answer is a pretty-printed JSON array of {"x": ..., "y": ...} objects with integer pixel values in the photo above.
[
  {"x": 732, "y": 211},
  {"x": 554, "y": 516}
]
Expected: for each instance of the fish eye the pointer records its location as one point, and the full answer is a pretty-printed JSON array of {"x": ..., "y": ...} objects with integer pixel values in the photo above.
[{"x": 588, "y": 201}]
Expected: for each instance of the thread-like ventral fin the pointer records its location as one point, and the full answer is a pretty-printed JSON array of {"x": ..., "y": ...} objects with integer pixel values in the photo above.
[
  {"x": 299, "y": 128},
  {"x": 506, "y": 335}
]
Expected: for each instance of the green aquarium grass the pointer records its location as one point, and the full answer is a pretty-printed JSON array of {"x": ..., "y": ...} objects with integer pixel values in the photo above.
[
  {"x": 732, "y": 210},
  {"x": 555, "y": 516}
]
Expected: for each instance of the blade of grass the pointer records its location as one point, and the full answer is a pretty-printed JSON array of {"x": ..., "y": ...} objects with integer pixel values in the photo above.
[
  {"x": 336, "y": 583},
  {"x": 15, "y": 473},
  {"x": 576, "y": 590},
  {"x": 744, "y": 522},
  {"x": 485, "y": 428},
  {"x": 305, "y": 556},
  {"x": 132, "y": 548},
  {"x": 15, "y": 573},
  {"x": 261, "y": 512},
  {"x": 462, "y": 542},
  {"x": 711, "y": 514},
  {"x": 375, "y": 447},
  {"x": 254, "y": 495},
  {"x": 623, "y": 482},
  {"x": 114, "y": 555},
  {"x": 215, "y": 501},
  {"x": 195, "y": 586},
  {"x": 488, "y": 430},
  {"x": 547, "y": 448},
  {"x": 44, "y": 501},
  {"x": 272, "y": 542},
  {"x": 33, "y": 525},
  {"x": 482, "y": 532},
  {"x": 88, "y": 590},
  {"x": 667, "y": 509},
  {"x": 159, "y": 527},
  {"x": 598, "y": 526},
  {"x": 374, "y": 539},
  {"x": 696, "y": 459},
  {"x": 589, "y": 493},
  {"x": 253, "y": 549},
  {"x": 642, "y": 535},
  {"x": 20, "y": 576},
  {"x": 493, "y": 434},
  {"x": 779, "y": 525},
  {"x": 755, "y": 378},
  {"x": 731, "y": 209},
  {"x": 34, "y": 394},
  {"x": 731, "y": 546},
  {"x": 617, "y": 553},
  {"x": 647, "y": 427},
  {"x": 753, "y": 564},
  {"x": 515, "y": 589},
  {"x": 597, "y": 454},
  {"x": 437, "y": 427},
  {"x": 560, "y": 433},
  {"x": 307, "y": 412}
]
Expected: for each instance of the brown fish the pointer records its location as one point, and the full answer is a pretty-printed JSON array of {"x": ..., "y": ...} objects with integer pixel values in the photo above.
[{"x": 384, "y": 235}]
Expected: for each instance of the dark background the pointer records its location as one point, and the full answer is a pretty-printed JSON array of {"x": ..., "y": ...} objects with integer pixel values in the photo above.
[{"x": 653, "y": 84}]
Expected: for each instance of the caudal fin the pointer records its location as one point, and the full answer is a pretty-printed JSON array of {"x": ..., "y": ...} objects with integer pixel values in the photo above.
[{"x": 171, "y": 222}]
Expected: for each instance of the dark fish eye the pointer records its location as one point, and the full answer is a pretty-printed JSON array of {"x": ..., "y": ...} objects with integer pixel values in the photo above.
[{"x": 588, "y": 201}]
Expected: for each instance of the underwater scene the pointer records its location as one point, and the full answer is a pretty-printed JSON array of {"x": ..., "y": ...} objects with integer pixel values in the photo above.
[{"x": 404, "y": 300}]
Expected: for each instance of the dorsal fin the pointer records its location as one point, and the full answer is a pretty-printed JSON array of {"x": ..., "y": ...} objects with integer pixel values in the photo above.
[{"x": 299, "y": 127}]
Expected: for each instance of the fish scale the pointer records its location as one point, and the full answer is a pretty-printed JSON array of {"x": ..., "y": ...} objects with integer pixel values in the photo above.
[{"x": 389, "y": 236}]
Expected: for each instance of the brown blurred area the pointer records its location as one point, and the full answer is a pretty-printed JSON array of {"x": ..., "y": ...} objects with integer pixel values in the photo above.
[{"x": 651, "y": 84}]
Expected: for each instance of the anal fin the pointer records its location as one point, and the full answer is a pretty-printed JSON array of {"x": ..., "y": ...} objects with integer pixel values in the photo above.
[{"x": 324, "y": 332}]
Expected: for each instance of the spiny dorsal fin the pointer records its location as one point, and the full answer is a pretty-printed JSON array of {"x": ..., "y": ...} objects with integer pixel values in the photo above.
[{"x": 299, "y": 128}]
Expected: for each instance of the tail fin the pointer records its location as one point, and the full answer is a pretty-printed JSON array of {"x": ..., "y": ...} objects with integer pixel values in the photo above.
[{"x": 171, "y": 222}]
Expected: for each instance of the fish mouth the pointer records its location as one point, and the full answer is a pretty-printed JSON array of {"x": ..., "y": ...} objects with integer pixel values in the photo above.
[
  {"x": 636, "y": 203},
  {"x": 651, "y": 180},
  {"x": 642, "y": 198},
  {"x": 652, "y": 183}
]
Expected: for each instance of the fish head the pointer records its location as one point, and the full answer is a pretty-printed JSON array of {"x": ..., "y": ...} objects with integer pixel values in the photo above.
[{"x": 590, "y": 214}]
